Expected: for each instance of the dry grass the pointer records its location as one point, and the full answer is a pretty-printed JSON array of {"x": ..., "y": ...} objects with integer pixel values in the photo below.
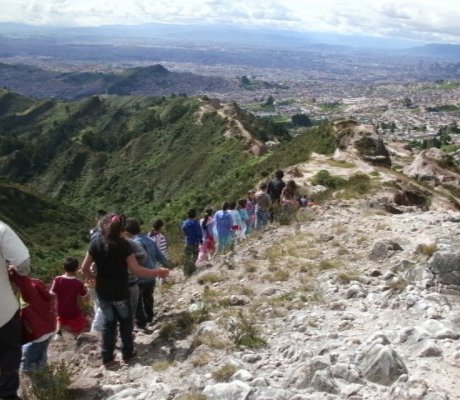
[
  {"x": 427, "y": 249},
  {"x": 212, "y": 340},
  {"x": 347, "y": 277},
  {"x": 162, "y": 365},
  {"x": 224, "y": 373},
  {"x": 327, "y": 264},
  {"x": 211, "y": 277},
  {"x": 279, "y": 275},
  {"x": 201, "y": 359},
  {"x": 398, "y": 284}
]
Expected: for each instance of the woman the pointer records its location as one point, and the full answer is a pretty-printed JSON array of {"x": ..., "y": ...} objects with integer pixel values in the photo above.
[
  {"x": 289, "y": 202},
  {"x": 113, "y": 256}
]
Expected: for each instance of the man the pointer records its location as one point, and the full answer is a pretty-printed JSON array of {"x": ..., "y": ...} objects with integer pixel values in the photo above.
[
  {"x": 274, "y": 190},
  {"x": 13, "y": 255},
  {"x": 144, "y": 312},
  {"x": 193, "y": 238}
]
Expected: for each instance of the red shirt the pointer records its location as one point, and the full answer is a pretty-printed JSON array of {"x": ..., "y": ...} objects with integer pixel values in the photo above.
[
  {"x": 37, "y": 316},
  {"x": 67, "y": 290}
]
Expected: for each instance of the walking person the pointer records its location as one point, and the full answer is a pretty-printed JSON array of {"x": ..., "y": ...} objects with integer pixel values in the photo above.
[
  {"x": 144, "y": 312},
  {"x": 274, "y": 189},
  {"x": 13, "y": 256},
  {"x": 263, "y": 204},
  {"x": 68, "y": 289},
  {"x": 113, "y": 256},
  {"x": 193, "y": 238},
  {"x": 223, "y": 223}
]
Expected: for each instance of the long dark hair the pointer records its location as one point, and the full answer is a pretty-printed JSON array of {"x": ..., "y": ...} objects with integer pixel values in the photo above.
[
  {"x": 207, "y": 215},
  {"x": 112, "y": 227}
]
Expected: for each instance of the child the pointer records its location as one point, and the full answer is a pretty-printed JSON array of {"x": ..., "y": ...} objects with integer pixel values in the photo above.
[
  {"x": 193, "y": 238},
  {"x": 244, "y": 216},
  {"x": 38, "y": 320},
  {"x": 156, "y": 234},
  {"x": 68, "y": 288},
  {"x": 208, "y": 246}
]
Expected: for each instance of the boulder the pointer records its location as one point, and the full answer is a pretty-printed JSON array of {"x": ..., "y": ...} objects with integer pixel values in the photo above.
[
  {"x": 384, "y": 249},
  {"x": 235, "y": 390},
  {"x": 381, "y": 364},
  {"x": 445, "y": 265}
]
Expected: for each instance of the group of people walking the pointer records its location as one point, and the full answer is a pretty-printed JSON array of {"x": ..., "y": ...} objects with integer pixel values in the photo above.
[
  {"x": 119, "y": 270},
  {"x": 221, "y": 230}
]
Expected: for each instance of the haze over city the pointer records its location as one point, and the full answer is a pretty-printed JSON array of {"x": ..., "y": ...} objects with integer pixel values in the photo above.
[{"x": 412, "y": 20}]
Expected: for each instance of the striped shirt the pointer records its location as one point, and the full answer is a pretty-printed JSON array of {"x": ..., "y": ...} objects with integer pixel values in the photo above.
[{"x": 161, "y": 242}]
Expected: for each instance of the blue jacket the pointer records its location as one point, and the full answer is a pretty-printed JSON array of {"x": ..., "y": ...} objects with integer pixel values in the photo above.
[
  {"x": 154, "y": 255},
  {"x": 192, "y": 231}
]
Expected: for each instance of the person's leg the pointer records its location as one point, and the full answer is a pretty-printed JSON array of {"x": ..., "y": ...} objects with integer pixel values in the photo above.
[
  {"x": 124, "y": 316},
  {"x": 109, "y": 331},
  {"x": 10, "y": 357},
  {"x": 97, "y": 323},
  {"x": 148, "y": 300},
  {"x": 141, "y": 317},
  {"x": 133, "y": 299},
  {"x": 34, "y": 355},
  {"x": 189, "y": 260}
]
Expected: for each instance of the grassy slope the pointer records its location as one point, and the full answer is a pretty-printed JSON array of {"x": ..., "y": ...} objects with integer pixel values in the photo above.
[
  {"x": 50, "y": 229},
  {"x": 147, "y": 157}
]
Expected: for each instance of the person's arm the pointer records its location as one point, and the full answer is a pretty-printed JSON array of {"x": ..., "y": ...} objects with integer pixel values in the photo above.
[
  {"x": 86, "y": 266},
  {"x": 14, "y": 250},
  {"x": 160, "y": 257},
  {"x": 142, "y": 272}
]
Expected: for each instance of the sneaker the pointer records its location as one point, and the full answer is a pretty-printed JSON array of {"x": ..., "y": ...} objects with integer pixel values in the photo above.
[
  {"x": 129, "y": 358},
  {"x": 58, "y": 337}
]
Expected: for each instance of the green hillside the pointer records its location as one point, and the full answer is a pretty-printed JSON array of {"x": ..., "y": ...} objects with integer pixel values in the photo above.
[
  {"x": 51, "y": 230},
  {"x": 145, "y": 156}
]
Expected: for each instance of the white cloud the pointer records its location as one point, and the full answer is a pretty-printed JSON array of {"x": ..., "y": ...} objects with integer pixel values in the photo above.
[{"x": 419, "y": 19}]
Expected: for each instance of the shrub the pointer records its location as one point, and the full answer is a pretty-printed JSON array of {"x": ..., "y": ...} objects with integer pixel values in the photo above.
[
  {"x": 224, "y": 373},
  {"x": 51, "y": 381},
  {"x": 243, "y": 332},
  {"x": 324, "y": 178},
  {"x": 210, "y": 277}
]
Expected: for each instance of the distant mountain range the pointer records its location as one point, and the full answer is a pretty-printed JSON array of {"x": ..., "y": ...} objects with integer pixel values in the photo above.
[
  {"x": 154, "y": 80},
  {"x": 205, "y": 34}
]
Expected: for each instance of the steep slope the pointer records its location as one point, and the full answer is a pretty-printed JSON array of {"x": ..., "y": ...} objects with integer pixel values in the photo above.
[
  {"x": 51, "y": 230},
  {"x": 340, "y": 304},
  {"x": 145, "y": 155}
]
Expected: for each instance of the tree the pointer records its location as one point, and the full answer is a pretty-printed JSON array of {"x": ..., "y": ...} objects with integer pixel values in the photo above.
[
  {"x": 244, "y": 80},
  {"x": 301, "y": 120}
]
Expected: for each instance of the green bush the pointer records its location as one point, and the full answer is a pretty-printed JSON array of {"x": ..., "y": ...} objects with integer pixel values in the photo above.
[
  {"x": 51, "y": 381},
  {"x": 324, "y": 178}
]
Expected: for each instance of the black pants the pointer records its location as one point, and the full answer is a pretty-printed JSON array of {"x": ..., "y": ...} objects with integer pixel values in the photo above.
[
  {"x": 144, "y": 311},
  {"x": 10, "y": 356}
]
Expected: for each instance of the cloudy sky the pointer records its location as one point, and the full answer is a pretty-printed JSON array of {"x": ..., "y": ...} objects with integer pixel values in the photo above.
[{"x": 426, "y": 20}]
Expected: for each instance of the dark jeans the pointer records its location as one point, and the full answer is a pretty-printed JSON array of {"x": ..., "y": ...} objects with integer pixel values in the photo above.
[
  {"x": 115, "y": 312},
  {"x": 191, "y": 255},
  {"x": 10, "y": 356},
  {"x": 144, "y": 311}
]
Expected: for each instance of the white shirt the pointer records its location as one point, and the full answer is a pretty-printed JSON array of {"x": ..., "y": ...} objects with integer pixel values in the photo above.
[{"x": 13, "y": 250}]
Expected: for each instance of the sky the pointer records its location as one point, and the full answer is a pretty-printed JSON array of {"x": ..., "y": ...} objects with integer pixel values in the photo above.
[{"x": 423, "y": 20}]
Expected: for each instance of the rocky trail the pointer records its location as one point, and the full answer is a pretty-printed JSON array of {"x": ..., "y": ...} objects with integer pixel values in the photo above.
[
  {"x": 355, "y": 299},
  {"x": 345, "y": 299}
]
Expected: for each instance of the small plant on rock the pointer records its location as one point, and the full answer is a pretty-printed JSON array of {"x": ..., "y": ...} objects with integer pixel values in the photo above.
[
  {"x": 162, "y": 365},
  {"x": 243, "y": 332},
  {"x": 51, "y": 381},
  {"x": 224, "y": 373}
]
